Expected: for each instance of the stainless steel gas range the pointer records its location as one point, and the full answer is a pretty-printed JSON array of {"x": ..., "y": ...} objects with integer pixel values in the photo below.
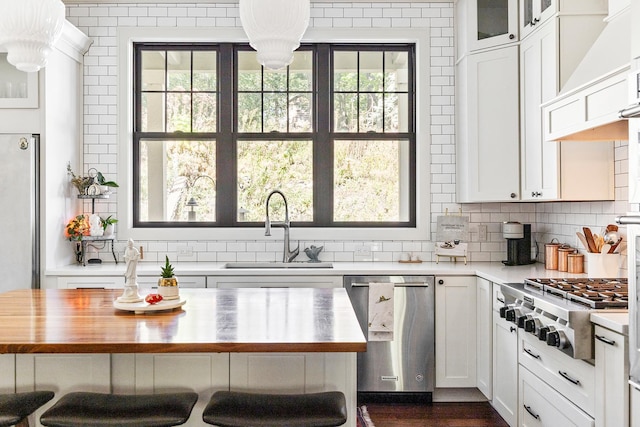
[{"x": 557, "y": 311}]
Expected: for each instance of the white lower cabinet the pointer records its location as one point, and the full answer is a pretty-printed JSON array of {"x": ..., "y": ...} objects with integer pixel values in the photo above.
[
  {"x": 274, "y": 281},
  {"x": 541, "y": 405},
  {"x": 484, "y": 344},
  {"x": 455, "y": 331},
  {"x": 612, "y": 378},
  {"x": 91, "y": 282},
  {"x": 635, "y": 406},
  {"x": 183, "y": 281},
  {"x": 505, "y": 369}
]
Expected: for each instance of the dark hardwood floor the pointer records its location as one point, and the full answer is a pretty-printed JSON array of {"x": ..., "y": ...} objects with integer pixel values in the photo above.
[{"x": 467, "y": 414}]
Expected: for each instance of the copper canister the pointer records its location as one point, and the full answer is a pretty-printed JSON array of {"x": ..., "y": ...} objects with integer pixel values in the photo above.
[
  {"x": 563, "y": 258},
  {"x": 575, "y": 263},
  {"x": 551, "y": 256}
]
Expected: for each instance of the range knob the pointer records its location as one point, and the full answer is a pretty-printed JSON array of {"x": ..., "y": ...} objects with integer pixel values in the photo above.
[
  {"x": 503, "y": 311},
  {"x": 522, "y": 319},
  {"x": 512, "y": 314},
  {"x": 532, "y": 325},
  {"x": 557, "y": 339},
  {"x": 542, "y": 333}
]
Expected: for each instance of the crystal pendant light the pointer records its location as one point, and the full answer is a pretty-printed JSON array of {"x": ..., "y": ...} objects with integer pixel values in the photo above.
[
  {"x": 28, "y": 31},
  {"x": 274, "y": 28}
]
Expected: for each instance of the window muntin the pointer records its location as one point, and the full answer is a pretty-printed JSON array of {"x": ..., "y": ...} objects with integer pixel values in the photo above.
[
  {"x": 284, "y": 109},
  {"x": 275, "y": 100},
  {"x": 371, "y": 91}
]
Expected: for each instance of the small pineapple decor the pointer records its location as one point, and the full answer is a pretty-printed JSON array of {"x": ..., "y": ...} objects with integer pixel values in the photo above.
[{"x": 168, "y": 283}]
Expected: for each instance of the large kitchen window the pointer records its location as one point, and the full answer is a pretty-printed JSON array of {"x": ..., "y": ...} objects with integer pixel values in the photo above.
[{"x": 214, "y": 133}]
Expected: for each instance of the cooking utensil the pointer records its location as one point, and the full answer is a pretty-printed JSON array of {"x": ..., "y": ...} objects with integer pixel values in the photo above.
[
  {"x": 590, "y": 242},
  {"x": 605, "y": 248},
  {"x": 611, "y": 227},
  {"x": 583, "y": 240},
  {"x": 615, "y": 245}
]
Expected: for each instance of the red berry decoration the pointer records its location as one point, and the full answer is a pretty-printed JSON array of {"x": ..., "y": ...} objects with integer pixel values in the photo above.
[{"x": 153, "y": 298}]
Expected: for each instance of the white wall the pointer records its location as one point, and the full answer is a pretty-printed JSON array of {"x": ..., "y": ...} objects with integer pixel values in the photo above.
[{"x": 559, "y": 220}]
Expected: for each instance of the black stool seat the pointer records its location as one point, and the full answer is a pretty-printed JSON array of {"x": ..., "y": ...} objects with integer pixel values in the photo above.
[
  {"x": 15, "y": 407},
  {"x": 235, "y": 409},
  {"x": 98, "y": 409}
]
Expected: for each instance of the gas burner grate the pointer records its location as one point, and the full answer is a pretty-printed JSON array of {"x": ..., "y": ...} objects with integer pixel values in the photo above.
[{"x": 594, "y": 293}]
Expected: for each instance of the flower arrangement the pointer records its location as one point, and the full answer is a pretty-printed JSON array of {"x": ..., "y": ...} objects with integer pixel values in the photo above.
[
  {"x": 76, "y": 228},
  {"x": 108, "y": 221}
]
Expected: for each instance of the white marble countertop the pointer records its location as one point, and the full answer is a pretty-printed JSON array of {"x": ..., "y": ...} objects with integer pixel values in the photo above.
[
  {"x": 617, "y": 321},
  {"x": 493, "y": 271}
]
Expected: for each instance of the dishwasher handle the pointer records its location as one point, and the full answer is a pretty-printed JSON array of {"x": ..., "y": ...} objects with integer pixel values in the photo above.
[{"x": 398, "y": 285}]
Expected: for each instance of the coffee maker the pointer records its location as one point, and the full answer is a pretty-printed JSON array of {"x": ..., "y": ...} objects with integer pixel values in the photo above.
[{"x": 518, "y": 243}]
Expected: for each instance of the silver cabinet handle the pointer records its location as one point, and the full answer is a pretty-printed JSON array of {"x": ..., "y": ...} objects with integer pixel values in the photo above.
[{"x": 605, "y": 340}]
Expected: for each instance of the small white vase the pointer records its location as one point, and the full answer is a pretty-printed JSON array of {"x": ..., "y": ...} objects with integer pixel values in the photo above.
[{"x": 108, "y": 232}]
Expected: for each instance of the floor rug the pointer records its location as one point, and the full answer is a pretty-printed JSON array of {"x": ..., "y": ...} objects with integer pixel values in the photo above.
[{"x": 363, "y": 419}]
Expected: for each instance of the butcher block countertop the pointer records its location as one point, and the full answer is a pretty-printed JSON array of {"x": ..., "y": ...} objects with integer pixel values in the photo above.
[{"x": 211, "y": 320}]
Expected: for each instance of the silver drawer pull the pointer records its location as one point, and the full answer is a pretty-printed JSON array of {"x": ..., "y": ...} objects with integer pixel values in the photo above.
[
  {"x": 531, "y": 353},
  {"x": 605, "y": 340},
  {"x": 389, "y": 378},
  {"x": 501, "y": 300},
  {"x": 568, "y": 378},
  {"x": 533, "y": 414}
]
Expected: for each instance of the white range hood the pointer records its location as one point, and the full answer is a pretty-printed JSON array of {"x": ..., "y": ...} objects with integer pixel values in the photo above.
[{"x": 587, "y": 108}]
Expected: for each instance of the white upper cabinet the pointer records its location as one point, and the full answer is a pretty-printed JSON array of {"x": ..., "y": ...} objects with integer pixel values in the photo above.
[
  {"x": 492, "y": 23},
  {"x": 17, "y": 88},
  {"x": 534, "y": 12},
  {"x": 539, "y": 83},
  {"x": 487, "y": 155}
]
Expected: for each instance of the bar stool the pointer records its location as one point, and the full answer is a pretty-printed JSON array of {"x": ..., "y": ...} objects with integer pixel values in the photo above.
[
  {"x": 235, "y": 409},
  {"x": 98, "y": 409},
  {"x": 16, "y": 407}
]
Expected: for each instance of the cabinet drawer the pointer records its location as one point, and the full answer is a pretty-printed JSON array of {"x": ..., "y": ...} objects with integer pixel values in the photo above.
[
  {"x": 100, "y": 282},
  {"x": 274, "y": 282},
  {"x": 573, "y": 378},
  {"x": 540, "y": 405}
]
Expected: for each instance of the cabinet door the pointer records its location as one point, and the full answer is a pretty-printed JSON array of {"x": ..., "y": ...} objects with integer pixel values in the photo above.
[
  {"x": 612, "y": 376},
  {"x": 183, "y": 281},
  {"x": 539, "y": 83},
  {"x": 505, "y": 369},
  {"x": 17, "y": 88},
  {"x": 635, "y": 406},
  {"x": 533, "y": 13},
  {"x": 487, "y": 127},
  {"x": 484, "y": 327},
  {"x": 492, "y": 23},
  {"x": 456, "y": 331}
]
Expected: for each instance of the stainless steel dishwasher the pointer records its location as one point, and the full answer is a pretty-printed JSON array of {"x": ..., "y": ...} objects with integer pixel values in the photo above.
[{"x": 403, "y": 369}]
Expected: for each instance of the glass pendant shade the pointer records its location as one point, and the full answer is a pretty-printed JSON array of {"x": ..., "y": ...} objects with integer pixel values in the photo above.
[
  {"x": 28, "y": 31},
  {"x": 274, "y": 28}
]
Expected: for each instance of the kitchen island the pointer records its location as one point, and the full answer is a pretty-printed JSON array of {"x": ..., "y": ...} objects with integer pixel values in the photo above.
[{"x": 271, "y": 340}]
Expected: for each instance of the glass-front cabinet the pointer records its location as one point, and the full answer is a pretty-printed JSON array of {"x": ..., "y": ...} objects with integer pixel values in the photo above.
[
  {"x": 533, "y": 13},
  {"x": 17, "y": 88},
  {"x": 492, "y": 23}
]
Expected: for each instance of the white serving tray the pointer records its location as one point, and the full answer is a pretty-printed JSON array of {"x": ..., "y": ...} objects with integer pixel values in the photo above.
[{"x": 144, "y": 307}]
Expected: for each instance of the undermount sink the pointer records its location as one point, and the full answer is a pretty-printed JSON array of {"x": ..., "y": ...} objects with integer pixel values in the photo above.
[{"x": 256, "y": 264}]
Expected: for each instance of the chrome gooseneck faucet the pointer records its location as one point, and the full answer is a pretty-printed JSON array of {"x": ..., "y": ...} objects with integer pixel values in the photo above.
[{"x": 288, "y": 254}]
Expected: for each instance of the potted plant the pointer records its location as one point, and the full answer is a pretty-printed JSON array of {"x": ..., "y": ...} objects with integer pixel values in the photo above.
[
  {"x": 94, "y": 184},
  {"x": 168, "y": 283},
  {"x": 108, "y": 225}
]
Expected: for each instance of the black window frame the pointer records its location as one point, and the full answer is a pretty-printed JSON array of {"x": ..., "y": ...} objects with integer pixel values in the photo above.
[{"x": 322, "y": 135}]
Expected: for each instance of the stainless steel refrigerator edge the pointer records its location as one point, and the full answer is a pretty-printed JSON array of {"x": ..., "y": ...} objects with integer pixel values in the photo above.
[
  {"x": 402, "y": 369},
  {"x": 19, "y": 223}
]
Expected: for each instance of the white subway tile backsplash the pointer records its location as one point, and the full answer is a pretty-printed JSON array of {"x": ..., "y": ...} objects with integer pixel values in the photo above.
[{"x": 550, "y": 220}]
